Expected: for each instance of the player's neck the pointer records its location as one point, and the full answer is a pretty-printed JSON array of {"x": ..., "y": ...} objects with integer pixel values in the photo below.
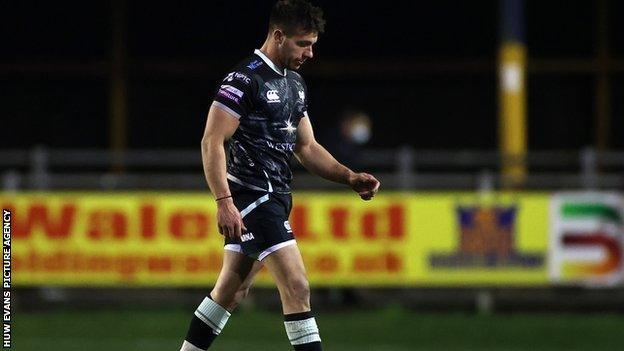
[{"x": 270, "y": 51}]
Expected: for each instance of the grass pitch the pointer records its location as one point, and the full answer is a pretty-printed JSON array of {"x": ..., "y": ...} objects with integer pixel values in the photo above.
[{"x": 384, "y": 330}]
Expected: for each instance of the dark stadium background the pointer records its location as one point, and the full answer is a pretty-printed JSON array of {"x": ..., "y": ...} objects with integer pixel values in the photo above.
[{"x": 54, "y": 70}]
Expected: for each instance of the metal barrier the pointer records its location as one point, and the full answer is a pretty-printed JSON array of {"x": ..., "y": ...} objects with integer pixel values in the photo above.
[{"x": 43, "y": 168}]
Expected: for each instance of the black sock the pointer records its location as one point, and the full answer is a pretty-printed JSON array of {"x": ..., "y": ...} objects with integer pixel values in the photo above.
[
  {"x": 208, "y": 321},
  {"x": 200, "y": 334},
  {"x": 313, "y": 346}
]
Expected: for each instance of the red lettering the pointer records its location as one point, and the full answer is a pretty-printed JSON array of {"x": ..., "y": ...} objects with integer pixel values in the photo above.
[
  {"x": 38, "y": 218},
  {"x": 55, "y": 262},
  {"x": 369, "y": 224},
  {"x": 299, "y": 223},
  {"x": 193, "y": 264},
  {"x": 127, "y": 267},
  {"x": 107, "y": 223},
  {"x": 98, "y": 263},
  {"x": 394, "y": 215},
  {"x": 396, "y": 226},
  {"x": 148, "y": 221},
  {"x": 202, "y": 264},
  {"x": 364, "y": 264},
  {"x": 326, "y": 264},
  {"x": 159, "y": 264},
  {"x": 338, "y": 217},
  {"x": 393, "y": 262},
  {"x": 386, "y": 262},
  {"x": 189, "y": 225}
]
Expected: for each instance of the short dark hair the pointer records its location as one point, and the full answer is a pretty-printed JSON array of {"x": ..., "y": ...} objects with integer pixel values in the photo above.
[{"x": 294, "y": 15}]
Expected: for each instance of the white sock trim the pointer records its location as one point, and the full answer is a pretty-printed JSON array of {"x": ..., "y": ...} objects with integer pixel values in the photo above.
[
  {"x": 302, "y": 332},
  {"x": 187, "y": 346},
  {"x": 212, "y": 314}
]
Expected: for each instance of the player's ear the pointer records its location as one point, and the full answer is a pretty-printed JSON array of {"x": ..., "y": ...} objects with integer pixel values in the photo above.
[{"x": 279, "y": 36}]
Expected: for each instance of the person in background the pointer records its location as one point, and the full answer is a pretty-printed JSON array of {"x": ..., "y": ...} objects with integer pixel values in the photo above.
[{"x": 346, "y": 140}]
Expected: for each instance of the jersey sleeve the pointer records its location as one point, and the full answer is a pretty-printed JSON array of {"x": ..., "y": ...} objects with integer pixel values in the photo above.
[{"x": 235, "y": 93}]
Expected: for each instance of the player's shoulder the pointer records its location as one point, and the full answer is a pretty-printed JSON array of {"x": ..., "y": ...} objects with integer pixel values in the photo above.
[
  {"x": 297, "y": 80},
  {"x": 245, "y": 70},
  {"x": 250, "y": 64},
  {"x": 295, "y": 75}
]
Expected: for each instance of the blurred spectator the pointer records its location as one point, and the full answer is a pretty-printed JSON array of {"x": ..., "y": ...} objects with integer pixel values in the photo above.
[{"x": 346, "y": 140}]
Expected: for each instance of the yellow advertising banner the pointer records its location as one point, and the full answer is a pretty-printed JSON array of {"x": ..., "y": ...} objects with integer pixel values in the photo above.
[{"x": 171, "y": 239}]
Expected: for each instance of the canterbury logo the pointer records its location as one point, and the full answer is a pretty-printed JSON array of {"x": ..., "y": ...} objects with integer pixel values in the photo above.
[{"x": 272, "y": 96}]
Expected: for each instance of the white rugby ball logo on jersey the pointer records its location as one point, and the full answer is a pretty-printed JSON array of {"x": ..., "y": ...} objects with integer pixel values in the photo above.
[{"x": 272, "y": 96}]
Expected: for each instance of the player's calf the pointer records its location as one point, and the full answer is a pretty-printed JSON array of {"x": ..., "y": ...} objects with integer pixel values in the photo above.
[
  {"x": 301, "y": 327},
  {"x": 238, "y": 297},
  {"x": 295, "y": 295},
  {"x": 230, "y": 300}
]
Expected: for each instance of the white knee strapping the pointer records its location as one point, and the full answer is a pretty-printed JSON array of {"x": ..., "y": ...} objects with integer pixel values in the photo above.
[
  {"x": 187, "y": 346},
  {"x": 212, "y": 314},
  {"x": 302, "y": 332}
]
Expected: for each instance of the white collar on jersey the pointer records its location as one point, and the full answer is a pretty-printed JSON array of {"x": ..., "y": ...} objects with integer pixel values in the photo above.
[{"x": 270, "y": 63}]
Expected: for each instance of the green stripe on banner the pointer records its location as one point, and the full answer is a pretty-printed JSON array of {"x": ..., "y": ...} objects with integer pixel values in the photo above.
[{"x": 591, "y": 210}]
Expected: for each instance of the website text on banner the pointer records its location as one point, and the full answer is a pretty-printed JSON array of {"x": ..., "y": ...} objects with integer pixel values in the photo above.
[{"x": 171, "y": 239}]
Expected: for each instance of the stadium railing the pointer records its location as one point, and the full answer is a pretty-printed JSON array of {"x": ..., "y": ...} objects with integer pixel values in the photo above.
[{"x": 42, "y": 168}]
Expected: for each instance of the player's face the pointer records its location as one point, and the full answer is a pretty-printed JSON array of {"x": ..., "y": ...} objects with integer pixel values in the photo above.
[{"x": 296, "y": 49}]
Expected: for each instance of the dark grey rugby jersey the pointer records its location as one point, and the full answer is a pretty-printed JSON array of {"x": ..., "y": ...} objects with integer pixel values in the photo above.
[{"x": 269, "y": 103}]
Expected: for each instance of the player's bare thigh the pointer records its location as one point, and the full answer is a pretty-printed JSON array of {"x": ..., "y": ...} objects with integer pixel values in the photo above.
[
  {"x": 235, "y": 279},
  {"x": 286, "y": 267}
]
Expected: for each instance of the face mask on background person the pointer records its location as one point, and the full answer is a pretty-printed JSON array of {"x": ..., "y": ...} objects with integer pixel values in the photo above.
[
  {"x": 357, "y": 127},
  {"x": 360, "y": 133}
]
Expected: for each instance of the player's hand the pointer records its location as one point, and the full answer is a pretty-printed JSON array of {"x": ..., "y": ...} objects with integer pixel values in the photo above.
[
  {"x": 365, "y": 185},
  {"x": 229, "y": 219}
]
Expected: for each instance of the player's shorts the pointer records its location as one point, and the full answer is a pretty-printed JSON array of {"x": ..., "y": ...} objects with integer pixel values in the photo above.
[{"x": 266, "y": 217}]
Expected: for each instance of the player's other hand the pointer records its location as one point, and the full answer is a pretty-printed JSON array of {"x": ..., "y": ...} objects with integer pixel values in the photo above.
[
  {"x": 364, "y": 184},
  {"x": 229, "y": 219}
]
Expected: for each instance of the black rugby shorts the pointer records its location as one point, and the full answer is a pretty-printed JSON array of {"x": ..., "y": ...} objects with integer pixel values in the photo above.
[{"x": 266, "y": 217}]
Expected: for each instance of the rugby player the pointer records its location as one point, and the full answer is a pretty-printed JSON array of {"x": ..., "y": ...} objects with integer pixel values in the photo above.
[{"x": 260, "y": 112}]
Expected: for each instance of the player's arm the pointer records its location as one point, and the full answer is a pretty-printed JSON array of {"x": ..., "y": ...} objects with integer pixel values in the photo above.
[
  {"x": 316, "y": 159},
  {"x": 220, "y": 126}
]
